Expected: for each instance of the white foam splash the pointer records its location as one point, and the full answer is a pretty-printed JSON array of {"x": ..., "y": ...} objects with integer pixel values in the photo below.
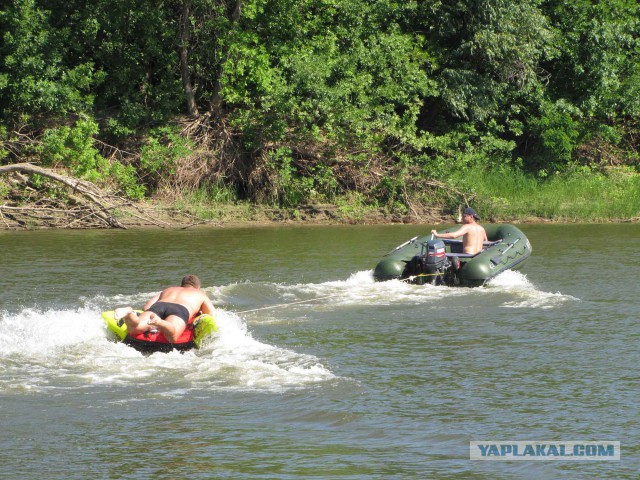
[
  {"x": 253, "y": 364},
  {"x": 361, "y": 289},
  {"x": 524, "y": 292},
  {"x": 34, "y": 332},
  {"x": 38, "y": 346},
  {"x": 509, "y": 279}
]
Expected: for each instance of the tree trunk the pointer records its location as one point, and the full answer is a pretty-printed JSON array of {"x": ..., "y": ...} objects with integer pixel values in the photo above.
[
  {"x": 237, "y": 9},
  {"x": 184, "y": 59}
]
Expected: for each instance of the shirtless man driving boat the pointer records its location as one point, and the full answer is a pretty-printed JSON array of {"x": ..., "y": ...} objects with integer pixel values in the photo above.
[
  {"x": 169, "y": 311},
  {"x": 473, "y": 234}
]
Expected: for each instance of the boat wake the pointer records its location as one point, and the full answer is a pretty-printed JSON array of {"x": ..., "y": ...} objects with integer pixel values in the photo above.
[
  {"x": 73, "y": 348},
  {"x": 524, "y": 293},
  {"x": 39, "y": 348},
  {"x": 510, "y": 289}
]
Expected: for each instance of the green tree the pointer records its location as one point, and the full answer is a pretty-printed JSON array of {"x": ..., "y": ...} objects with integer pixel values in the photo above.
[
  {"x": 486, "y": 65},
  {"x": 34, "y": 78},
  {"x": 488, "y": 53},
  {"x": 600, "y": 45},
  {"x": 593, "y": 91}
]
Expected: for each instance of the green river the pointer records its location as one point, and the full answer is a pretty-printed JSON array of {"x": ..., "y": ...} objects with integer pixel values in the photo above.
[{"x": 316, "y": 370}]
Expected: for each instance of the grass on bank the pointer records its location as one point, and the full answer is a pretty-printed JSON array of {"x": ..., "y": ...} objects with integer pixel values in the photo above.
[
  {"x": 499, "y": 195},
  {"x": 211, "y": 206},
  {"x": 584, "y": 196}
]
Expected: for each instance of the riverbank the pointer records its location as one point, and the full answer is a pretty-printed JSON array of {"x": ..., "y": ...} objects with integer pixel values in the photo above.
[
  {"x": 500, "y": 196},
  {"x": 169, "y": 215},
  {"x": 154, "y": 214},
  {"x": 34, "y": 198},
  {"x": 151, "y": 214}
]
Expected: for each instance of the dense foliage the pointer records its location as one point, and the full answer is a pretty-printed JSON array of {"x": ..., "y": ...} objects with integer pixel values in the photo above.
[{"x": 287, "y": 101}]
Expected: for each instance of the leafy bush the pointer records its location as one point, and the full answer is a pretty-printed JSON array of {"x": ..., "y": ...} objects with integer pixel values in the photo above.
[
  {"x": 126, "y": 176},
  {"x": 289, "y": 188},
  {"x": 559, "y": 132},
  {"x": 73, "y": 148},
  {"x": 160, "y": 157}
]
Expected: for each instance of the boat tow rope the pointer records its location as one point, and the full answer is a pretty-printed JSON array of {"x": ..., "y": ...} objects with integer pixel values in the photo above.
[
  {"x": 285, "y": 304},
  {"x": 408, "y": 279}
]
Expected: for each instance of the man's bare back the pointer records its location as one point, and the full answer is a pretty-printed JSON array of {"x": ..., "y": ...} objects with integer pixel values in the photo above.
[
  {"x": 187, "y": 297},
  {"x": 192, "y": 298},
  {"x": 473, "y": 235},
  {"x": 473, "y": 238}
]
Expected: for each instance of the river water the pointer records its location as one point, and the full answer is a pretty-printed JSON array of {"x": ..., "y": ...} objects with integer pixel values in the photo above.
[{"x": 361, "y": 380}]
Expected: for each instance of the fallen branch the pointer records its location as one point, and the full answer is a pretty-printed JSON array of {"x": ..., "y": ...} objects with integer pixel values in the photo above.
[{"x": 89, "y": 197}]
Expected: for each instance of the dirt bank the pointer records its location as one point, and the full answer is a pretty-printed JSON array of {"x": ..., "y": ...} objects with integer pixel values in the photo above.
[{"x": 155, "y": 214}]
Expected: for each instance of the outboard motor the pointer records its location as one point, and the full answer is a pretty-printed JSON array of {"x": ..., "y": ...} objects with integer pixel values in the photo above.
[
  {"x": 430, "y": 265},
  {"x": 436, "y": 254}
]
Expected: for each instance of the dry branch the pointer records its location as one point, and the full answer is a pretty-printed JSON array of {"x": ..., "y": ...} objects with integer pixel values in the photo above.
[{"x": 89, "y": 197}]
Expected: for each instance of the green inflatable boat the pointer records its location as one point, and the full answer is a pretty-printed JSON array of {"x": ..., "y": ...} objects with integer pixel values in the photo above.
[{"x": 438, "y": 261}]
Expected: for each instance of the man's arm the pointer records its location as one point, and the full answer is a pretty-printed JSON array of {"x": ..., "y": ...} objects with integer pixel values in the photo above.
[
  {"x": 151, "y": 301},
  {"x": 451, "y": 235},
  {"x": 207, "y": 306}
]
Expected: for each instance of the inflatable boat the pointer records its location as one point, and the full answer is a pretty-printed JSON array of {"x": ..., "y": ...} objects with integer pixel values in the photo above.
[
  {"x": 198, "y": 328},
  {"x": 438, "y": 261}
]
